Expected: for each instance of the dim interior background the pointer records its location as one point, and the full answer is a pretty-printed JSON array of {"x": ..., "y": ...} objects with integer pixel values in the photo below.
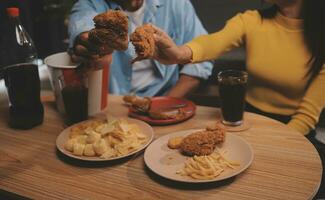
[{"x": 46, "y": 21}]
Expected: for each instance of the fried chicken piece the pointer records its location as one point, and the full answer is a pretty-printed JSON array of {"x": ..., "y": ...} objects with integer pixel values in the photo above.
[
  {"x": 175, "y": 143},
  {"x": 111, "y": 29},
  {"x": 202, "y": 142},
  {"x": 199, "y": 143},
  {"x": 181, "y": 114},
  {"x": 141, "y": 104},
  {"x": 219, "y": 133},
  {"x": 160, "y": 115},
  {"x": 129, "y": 98},
  {"x": 143, "y": 41},
  {"x": 168, "y": 114}
]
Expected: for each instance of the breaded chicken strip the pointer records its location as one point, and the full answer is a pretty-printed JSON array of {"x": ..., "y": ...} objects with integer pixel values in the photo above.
[
  {"x": 143, "y": 40},
  {"x": 177, "y": 114},
  {"x": 219, "y": 133},
  {"x": 175, "y": 143},
  {"x": 111, "y": 29},
  {"x": 141, "y": 104},
  {"x": 202, "y": 142}
]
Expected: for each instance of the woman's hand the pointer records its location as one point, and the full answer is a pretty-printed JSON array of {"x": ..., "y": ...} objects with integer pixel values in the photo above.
[
  {"x": 90, "y": 54},
  {"x": 167, "y": 52}
]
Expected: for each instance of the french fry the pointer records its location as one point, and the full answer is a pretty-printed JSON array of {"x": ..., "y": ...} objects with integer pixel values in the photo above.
[{"x": 207, "y": 167}]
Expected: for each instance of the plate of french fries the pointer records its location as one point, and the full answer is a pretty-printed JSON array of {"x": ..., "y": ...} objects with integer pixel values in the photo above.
[
  {"x": 229, "y": 158},
  {"x": 103, "y": 139}
]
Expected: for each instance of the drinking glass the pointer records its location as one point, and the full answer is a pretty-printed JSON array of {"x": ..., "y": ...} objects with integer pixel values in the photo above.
[
  {"x": 232, "y": 91},
  {"x": 75, "y": 99}
]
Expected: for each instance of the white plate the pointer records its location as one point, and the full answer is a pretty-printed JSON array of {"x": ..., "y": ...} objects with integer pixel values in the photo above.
[
  {"x": 165, "y": 161},
  {"x": 64, "y": 136}
]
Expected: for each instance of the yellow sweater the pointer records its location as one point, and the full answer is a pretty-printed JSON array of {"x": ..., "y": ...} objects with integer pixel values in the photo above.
[{"x": 277, "y": 64}]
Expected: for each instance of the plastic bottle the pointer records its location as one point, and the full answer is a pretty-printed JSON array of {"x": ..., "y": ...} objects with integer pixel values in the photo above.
[{"x": 21, "y": 76}]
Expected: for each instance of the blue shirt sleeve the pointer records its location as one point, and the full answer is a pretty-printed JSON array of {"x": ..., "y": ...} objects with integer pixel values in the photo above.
[
  {"x": 192, "y": 27},
  {"x": 81, "y": 19}
]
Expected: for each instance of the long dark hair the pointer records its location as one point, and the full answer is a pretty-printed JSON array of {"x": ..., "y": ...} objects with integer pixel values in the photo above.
[{"x": 313, "y": 15}]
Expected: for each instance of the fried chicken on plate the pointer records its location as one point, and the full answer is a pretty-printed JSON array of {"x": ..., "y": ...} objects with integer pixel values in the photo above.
[
  {"x": 167, "y": 114},
  {"x": 141, "y": 104},
  {"x": 203, "y": 142}
]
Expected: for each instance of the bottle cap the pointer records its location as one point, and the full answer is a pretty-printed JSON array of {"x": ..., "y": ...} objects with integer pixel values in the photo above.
[{"x": 13, "y": 12}]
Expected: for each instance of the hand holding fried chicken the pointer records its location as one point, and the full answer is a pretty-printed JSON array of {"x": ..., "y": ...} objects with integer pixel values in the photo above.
[
  {"x": 87, "y": 53},
  {"x": 151, "y": 42},
  {"x": 167, "y": 52},
  {"x": 96, "y": 46}
]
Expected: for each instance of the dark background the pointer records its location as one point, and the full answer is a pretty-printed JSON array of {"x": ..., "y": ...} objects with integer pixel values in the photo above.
[{"x": 46, "y": 20}]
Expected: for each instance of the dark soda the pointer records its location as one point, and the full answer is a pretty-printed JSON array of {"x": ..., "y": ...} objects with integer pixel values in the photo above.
[
  {"x": 20, "y": 72},
  {"x": 23, "y": 87},
  {"x": 232, "y": 91},
  {"x": 75, "y": 98},
  {"x": 232, "y": 98}
]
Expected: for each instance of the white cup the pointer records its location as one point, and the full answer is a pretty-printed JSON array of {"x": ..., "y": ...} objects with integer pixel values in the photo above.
[{"x": 61, "y": 67}]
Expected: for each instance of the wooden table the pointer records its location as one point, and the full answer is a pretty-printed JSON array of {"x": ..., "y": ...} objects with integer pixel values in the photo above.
[{"x": 285, "y": 166}]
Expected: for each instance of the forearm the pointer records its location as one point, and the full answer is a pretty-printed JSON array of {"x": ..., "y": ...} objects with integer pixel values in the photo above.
[
  {"x": 80, "y": 19},
  {"x": 184, "y": 85},
  {"x": 185, "y": 55},
  {"x": 211, "y": 46},
  {"x": 302, "y": 124},
  {"x": 307, "y": 114}
]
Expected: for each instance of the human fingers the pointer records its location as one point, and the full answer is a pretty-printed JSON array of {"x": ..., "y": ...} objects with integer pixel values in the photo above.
[
  {"x": 162, "y": 37},
  {"x": 81, "y": 50},
  {"x": 78, "y": 59},
  {"x": 159, "y": 31},
  {"x": 100, "y": 62},
  {"x": 83, "y": 36},
  {"x": 104, "y": 50},
  {"x": 83, "y": 39},
  {"x": 85, "y": 57},
  {"x": 163, "y": 42}
]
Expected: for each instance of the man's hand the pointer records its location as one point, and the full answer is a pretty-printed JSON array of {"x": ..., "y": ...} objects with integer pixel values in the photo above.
[
  {"x": 90, "y": 54},
  {"x": 184, "y": 85}
]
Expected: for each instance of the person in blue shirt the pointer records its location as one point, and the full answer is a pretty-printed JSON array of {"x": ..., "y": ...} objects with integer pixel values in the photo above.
[{"x": 147, "y": 77}]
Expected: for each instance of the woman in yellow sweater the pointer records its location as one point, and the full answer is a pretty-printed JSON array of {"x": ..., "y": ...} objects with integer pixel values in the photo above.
[{"x": 285, "y": 47}]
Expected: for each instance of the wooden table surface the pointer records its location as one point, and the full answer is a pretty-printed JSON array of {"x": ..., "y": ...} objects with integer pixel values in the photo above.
[{"x": 285, "y": 166}]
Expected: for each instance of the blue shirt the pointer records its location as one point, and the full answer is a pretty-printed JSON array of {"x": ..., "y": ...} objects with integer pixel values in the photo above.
[{"x": 176, "y": 17}]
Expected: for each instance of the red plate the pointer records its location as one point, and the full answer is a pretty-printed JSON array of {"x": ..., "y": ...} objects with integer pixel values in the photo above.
[{"x": 161, "y": 103}]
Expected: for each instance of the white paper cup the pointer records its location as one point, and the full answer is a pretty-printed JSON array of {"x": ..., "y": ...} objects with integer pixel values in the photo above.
[{"x": 61, "y": 67}]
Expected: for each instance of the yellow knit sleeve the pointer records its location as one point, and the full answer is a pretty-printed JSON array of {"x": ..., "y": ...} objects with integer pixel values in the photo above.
[
  {"x": 209, "y": 47},
  {"x": 308, "y": 112}
]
